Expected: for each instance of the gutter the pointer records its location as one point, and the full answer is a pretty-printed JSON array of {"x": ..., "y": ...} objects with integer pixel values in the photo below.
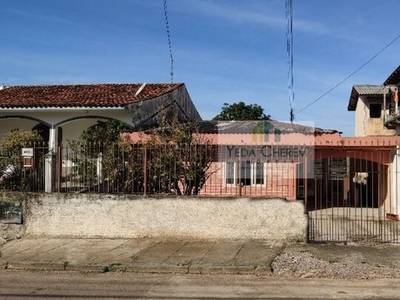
[{"x": 61, "y": 108}]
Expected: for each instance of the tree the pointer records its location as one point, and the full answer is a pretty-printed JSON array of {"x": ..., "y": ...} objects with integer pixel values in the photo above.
[
  {"x": 179, "y": 158},
  {"x": 104, "y": 132},
  {"x": 241, "y": 112},
  {"x": 172, "y": 158},
  {"x": 102, "y": 141}
]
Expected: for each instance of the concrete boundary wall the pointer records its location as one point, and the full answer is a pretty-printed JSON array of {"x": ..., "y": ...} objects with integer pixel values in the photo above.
[{"x": 120, "y": 216}]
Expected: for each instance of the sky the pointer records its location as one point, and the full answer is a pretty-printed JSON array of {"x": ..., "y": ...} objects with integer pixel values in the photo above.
[{"x": 225, "y": 51}]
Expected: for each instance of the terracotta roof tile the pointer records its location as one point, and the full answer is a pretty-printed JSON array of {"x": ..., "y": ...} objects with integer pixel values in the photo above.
[{"x": 81, "y": 95}]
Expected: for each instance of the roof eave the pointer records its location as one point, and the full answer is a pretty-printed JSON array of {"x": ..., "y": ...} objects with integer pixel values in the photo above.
[
  {"x": 393, "y": 78},
  {"x": 52, "y": 108}
]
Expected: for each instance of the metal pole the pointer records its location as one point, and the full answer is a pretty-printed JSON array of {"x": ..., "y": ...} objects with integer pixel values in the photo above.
[{"x": 145, "y": 172}]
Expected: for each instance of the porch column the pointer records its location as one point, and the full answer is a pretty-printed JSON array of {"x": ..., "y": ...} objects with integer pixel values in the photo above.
[
  {"x": 52, "y": 139},
  {"x": 50, "y": 162}
]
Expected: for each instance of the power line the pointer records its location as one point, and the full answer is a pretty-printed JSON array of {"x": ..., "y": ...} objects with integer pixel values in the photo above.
[
  {"x": 289, "y": 46},
  {"x": 169, "y": 41},
  {"x": 350, "y": 75}
]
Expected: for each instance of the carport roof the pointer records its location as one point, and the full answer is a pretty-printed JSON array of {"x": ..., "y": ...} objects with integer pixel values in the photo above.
[{"x": 81, "y": 95}]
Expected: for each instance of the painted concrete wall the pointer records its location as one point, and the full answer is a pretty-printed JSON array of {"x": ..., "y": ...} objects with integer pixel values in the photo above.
[
  {"x": 10, "y": 232},
  {"x": 73, "y": 130},
  {"x": 84, "y": 215},
  {"x": 366, "y": 126},
  {"x": 7, "y": 125}
]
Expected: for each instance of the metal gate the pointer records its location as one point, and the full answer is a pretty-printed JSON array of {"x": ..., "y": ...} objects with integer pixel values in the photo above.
[{"x": 353, "y": 196}]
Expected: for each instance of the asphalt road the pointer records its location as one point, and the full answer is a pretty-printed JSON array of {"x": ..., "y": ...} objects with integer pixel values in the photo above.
[{"x": 74, "y": 285}]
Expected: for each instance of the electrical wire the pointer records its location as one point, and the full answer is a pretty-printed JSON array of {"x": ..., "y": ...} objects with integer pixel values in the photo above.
[
  {"x": 169, "y": 41},
  {"x": 350, "y": 75}
]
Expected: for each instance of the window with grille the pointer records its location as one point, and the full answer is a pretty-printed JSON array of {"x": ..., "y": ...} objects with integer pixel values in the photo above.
[{"x": 245, "y": 172}]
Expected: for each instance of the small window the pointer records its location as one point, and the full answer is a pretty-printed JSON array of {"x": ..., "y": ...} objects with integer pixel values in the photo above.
[
  {"x": 258, "y": 173},
  {"x": 245, "y": 172},
  {"x": 375, "y": 110},
  {"x": 230, "y": 173}
]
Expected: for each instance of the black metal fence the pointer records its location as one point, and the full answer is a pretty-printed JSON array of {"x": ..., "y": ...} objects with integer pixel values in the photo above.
[
  {"x": 133, "y": 168},
  {"x": 23, "y": 170},
  {"x": 355, "y": 198},
  {"x": 184, "y": 169},
  {"x": 349, "y": 194}
]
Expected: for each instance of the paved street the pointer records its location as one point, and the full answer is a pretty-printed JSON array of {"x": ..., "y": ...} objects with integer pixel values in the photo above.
[{"x": 75, "y": 285}]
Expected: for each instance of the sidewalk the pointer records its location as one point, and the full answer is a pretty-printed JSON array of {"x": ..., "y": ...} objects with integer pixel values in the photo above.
[
  {"x": 202, "y": 257},
  {"x": 139, "y": 255}
]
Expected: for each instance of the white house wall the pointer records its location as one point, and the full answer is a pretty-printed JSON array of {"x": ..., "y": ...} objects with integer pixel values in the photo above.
[
  {"x": 73, "y": 121},
  {"x": 73, "y": 130},
  {"x": 7, "y": 125},
  {"x": 359, "y": 117}
]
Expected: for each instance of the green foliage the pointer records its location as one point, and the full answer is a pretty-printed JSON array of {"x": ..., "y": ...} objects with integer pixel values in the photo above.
[
  {"x": 180, "y": 158},
  {"x": 12, "y": 173},
  {"x": 15, "y": 140},
  {"x": 173, "y": 160},
  {"x": 104, "y": 132},
  {"x": 241, "y": 112},
  {"x": 103, "y": 142}
]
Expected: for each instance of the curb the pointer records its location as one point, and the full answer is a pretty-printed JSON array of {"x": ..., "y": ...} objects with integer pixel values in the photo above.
[
  {"x": 62, "y": 266},
  {"x": 139, "y": 268},
  {"x": 221, "y": 269},
  {"x": 36, "y": 266},
  {"x": 3, "y": 264},
  {"x": 157, "y": 268}
]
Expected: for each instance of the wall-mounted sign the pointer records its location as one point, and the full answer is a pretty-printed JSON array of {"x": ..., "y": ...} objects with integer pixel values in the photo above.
[
  {"x": 27, "y": 157},
  {"x": 11, "y": 212},
  {"x": 27, "y": 152}
]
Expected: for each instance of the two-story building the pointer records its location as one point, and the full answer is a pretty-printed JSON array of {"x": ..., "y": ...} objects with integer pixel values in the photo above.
[
  {"x": 377, "y": 114},
  {"x": 373, "y": 105}
]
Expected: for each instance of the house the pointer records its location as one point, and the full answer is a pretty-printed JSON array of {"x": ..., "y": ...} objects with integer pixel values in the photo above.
[
  {"x": 372, "y": 104},
  {"x": 272, "y": 159},
  {"x": 392, "y": 117},
  {"x": 392, "y": 120},
  {"x": 377, "y": 115},
  {"x": 265, "y": 158},
  {"x": 66, "y": 110},
  {"x": 376, "y": 107},
  {"x": 62, "y": 112},
  {"x": 259, "y": 158}
]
